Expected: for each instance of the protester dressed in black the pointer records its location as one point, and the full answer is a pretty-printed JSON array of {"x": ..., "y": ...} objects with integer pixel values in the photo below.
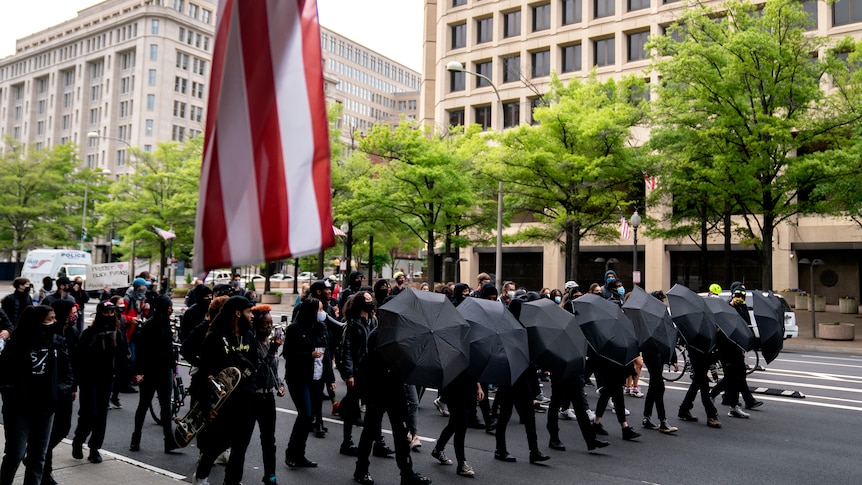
[
  {"x": 67, "y": 328},
  {"x": 359, "y": 313},
  {"x": 36, "y": 370},
  {"x": 269, "y": 384}
]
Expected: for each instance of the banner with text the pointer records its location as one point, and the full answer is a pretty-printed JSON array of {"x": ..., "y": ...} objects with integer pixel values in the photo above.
[{"x": 115, "y": 275}]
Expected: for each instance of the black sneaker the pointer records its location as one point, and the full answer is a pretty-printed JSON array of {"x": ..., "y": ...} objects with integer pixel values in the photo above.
[
  {"x": 115, "y": 401},
  {"x": 629, "y": 434},
  {"x": 415, "y": 479},
  {"x": 599, "y": 429},
  {"x": 648, "y": 424}
]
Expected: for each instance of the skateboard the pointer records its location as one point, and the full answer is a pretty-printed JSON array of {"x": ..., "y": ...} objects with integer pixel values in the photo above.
[{"x": 221, "y": 386}]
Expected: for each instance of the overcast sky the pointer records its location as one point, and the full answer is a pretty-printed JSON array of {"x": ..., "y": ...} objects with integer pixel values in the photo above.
[{"x": 390, "y": 27}]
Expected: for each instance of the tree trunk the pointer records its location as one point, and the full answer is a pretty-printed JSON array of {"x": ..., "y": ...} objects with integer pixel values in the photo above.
[
  {"x": 430, "y": 276},
  {"x": 704, "y": 255},
  {"x": 576, "y": 251},
  {"x": 447, "y": 250},
  {"x": 571, "y": 267},
  {"x": 728, "y": 267},
  {"x": 766, "y": 253}
]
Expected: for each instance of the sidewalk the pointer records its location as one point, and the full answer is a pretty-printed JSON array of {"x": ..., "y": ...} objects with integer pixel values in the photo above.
[
  {"x": 807, "y": 343},
  {"x": 114, "y": 469}
]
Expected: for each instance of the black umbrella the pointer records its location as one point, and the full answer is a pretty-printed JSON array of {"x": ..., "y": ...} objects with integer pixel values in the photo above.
[
  {"x": 609, "y": 331},
  {"x": 499, "y": 350},
  {"x": 653, "y": 326},
  {"x": 692, "y": 317},
  {"x": 423, "y": 335},
  {"x": 731, "y": 323},
  {"x": 769, "y": 318},
  {"x": 557, "y": 344}
]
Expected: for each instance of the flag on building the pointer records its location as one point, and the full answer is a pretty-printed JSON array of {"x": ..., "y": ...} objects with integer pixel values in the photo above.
[
  {"x": 264, "y": 191},
  {"x": 164, "y": 234},
  {"x": 625, "y": 230},
  {"x": 338, "y": 232},
  {"x": 650, "y": 181}
]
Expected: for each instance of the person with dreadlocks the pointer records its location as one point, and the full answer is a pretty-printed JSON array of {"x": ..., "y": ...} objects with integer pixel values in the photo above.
[
  {"x": 98, "y": 353},
  {"x": 267, "y": 382}
]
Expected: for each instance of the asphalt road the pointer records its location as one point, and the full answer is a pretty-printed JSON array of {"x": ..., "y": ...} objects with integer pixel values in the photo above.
[{"x": 788, "y": 440}]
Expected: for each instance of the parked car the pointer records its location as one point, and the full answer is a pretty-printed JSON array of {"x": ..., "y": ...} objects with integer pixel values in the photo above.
[
  {"x": 259, "y": 280},
  {"x": 791, "y": 330},
  {"x": 218, "y": 277},
  {"x": 280, "y": 277},
  {"x": 307, "y": 276}
]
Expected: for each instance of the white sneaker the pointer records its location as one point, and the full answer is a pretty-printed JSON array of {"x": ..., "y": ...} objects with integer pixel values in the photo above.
[
  {"x": 737, "y": 412},
  {"x": 591, "y": 414},
  {"x": 441, "y": 407},
  {"x": 200, "y": 481},
  {"x": 612, "y": 408},
  {"x": 567, "y": 414},
  {"x": 223, "y": 459},
  {"x": 636, "y": 392}
]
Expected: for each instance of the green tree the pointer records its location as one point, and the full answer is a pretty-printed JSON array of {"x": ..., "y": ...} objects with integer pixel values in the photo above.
[
  {"x": 37, "y": 197},
  {"x": 739, "y": 85},
  {"x": 576, "y": 169},
  {"x": 162, "y": 191}
]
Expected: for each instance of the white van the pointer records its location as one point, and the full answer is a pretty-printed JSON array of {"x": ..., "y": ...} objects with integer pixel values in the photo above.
[{"x": 55, "y": 263}]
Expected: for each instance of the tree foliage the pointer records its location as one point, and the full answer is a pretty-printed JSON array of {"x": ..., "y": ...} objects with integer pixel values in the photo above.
[{"x": 742, "y": 99}]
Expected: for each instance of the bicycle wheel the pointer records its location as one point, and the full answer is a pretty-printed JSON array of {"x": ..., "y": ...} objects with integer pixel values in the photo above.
[
  {"x": 674, "y": 372},
  {"x": 176, "y": 397},
  {"x": 752, "y": 361},
  {"x": 154, "y": 409}
]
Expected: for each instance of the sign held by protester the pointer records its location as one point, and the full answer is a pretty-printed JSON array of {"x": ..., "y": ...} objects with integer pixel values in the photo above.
[{"x": 115, "y": 275}]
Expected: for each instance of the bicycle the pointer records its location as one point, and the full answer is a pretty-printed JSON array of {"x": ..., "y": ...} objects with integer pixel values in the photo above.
[
  {"x": 679, "y": 365},
  {"x": 178, "y": 391}
]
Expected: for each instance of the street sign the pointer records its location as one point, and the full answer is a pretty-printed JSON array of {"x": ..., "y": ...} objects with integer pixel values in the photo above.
[{"x": 636, "y": 277}]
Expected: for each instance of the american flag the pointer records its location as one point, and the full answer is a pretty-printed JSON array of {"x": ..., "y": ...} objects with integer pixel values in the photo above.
[
  {"x": 625, "y": 230},
  {"x": 338, "y": 232},
  {"x": 264, "y": 191},
  {"x": 650, "y": 181},
  {"x": 164, "y": 234}
]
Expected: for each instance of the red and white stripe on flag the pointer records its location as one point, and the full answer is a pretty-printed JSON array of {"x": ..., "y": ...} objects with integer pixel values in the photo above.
[
  {"x": 650, "y": 181},
  {"x": 625, "y": 230},
  {"x": 164, "y": 234},
  {"x": 265, "y": 180}
]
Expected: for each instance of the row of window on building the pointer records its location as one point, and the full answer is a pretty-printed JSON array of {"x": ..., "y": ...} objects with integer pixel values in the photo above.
[{"x": 361, "y": 57}]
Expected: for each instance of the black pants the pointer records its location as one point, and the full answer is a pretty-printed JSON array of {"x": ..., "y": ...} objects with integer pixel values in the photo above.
[
  {"x": 232, "y": 428},
  {"x": 655, "y": 391},
  {"x": 461, "y": 402},
  {"x": 700, "y": 382},
  {"x": 613, "y": 377},
  {"x": 518, "y": 396},
  {"x": 27, "y": 435},
  {"x": 306, "y": 397},
  {"x": 394, "y": 404},
  {"x": 562, "y": 391},
  {"x": 349, "y": 409},
  {"x": 93, "y": 412},
  {"x": 264, "y": 413},
  {"x": 155, "y": 384},
  {"x": 62, "y": 425},
  {"x": 733, "y": 383}
]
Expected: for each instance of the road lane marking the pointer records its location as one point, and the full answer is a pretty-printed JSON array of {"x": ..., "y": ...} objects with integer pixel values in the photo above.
[
  {"x": 146, "y": 466},
  {"x": 340, "y": 423}
]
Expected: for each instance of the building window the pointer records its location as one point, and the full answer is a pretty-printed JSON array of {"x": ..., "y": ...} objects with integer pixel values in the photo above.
[
  {"x": 121, "y": 157},
  {"x": 456, "y": 117},
  {"x": 178, "y": 5},
  {"x": 151, "y": 77},
  {"x": 206, "y": 16},
  {"x": 483, "y": 116},
  {"x": 511, "y": 69},
  {"x": 511, "y": 114},
  {"x": 572, "y": 11},
  {"x": 178, "y": 133},
  {"x": 604, "y": 8},
  {"x": 151, "y": 102},
  {"x": 846, "y": 12},
  {"x": 512, "y": 24},
  {"x": 148, "y": 128},
  {"x": 637, "y": 4},
  {"x": 534, "y": 104},
  {"x": 571, "y": 58},
  {"x": 810, "y": 7},
  {"x": 456, "y": 81},
  {"x": 636, "y": 45},
  {"x": 193, "y": 11},
  {"x": 604, "y": 52},
  {"x": 484, "y": 30},
  {"x": 541, "y": 17},
  {"x": 459, "y": 36},
  {"x": 541, "y": 65},
  {"x": 154, "y": 52},
  {"x": 182, "y": 34},
  {"x": 485, "y": 69},
  {"x": 458, "y": 3},
  {"x": 154, "y": 27}
]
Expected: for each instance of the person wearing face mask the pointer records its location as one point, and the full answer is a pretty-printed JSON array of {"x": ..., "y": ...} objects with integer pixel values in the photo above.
[
  {"x": 354, "y": 283},
  {"x": 198, "y": 311},
  {"x": 508, "y": 293},
  {"x": 359, "y": 311},
  {"x": 269, "y": 384},
  {"x": 66, "y": 327},
  {"x": 460, "y": 293},
  {"x": 610, "y": 275},
  {"x": 616, "y": 290},
  {"x": 556, "y": 296},
  {"x": 36, "y": 371},
  {"x": 13, "y": 303},
  {"x": 229, "y": 343},
  {"x": 399, "y": 286},
  {"x": 308, "y": 362}
]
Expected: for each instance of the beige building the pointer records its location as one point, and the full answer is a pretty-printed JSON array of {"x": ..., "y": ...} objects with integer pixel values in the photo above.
[
  {"x": 134, "y": 72},
  {"x": 518, "y": 43}
]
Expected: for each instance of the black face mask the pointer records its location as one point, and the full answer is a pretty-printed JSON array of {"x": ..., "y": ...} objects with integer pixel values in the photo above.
[
  {"x": 262, "y": 333},
  {"x": 368, "y": 306}
]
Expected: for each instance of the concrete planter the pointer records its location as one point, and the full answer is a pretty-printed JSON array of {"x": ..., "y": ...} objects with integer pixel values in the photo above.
[
  {"x": 790, "y": 297},
  {"x": 848, "y": 305},
  {"x": 802, "y": 301},
  {"x": 819, "y": 304},
  {"x": 270, "y": 299},
  {"x": 840, "y": 331}
]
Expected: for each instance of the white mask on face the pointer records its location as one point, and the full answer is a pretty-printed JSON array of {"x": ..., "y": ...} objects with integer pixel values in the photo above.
[
  {"x": 321, "y": 317},
  {"x": 510, "y": 294}
]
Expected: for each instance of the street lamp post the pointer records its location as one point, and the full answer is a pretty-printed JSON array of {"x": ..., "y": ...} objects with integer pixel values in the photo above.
[
  {"x": 811, "y": 264},
  {"x": 635, "y": 221},
  {"x": 84, "y": 212},
  {"x": 456, "y": 66}
]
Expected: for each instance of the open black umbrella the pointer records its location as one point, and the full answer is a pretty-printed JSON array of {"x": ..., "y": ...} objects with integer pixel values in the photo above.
[
  {"x": 609, "y": 331},
  {"x": 653, "y": 326},
  {"x": 423, "y": 335},
  {"x": 769, "y": 317},
  {"x": 730, "y": 323},
  {"x": 557, "y": 344},
  {"x": 499, "y": 350},
  {"x": 692, "y": 317}
]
